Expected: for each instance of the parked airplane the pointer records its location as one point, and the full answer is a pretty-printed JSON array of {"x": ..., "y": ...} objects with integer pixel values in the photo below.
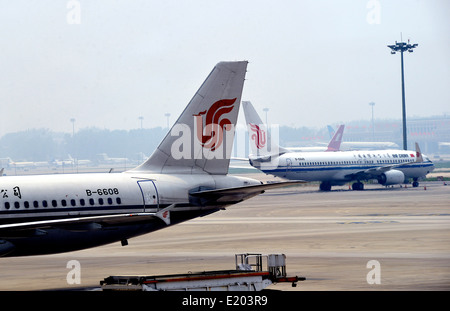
[
  {"x": 347, "y": 145},
  {"x": 389, "y": 167},
  {"x": 71, "y": 162},
  {"x": 103, "y": 158},
  {"x": 333, "y": 145},
  {"x": 186, "y": 177},
  {"x": 365, "y": 145}
]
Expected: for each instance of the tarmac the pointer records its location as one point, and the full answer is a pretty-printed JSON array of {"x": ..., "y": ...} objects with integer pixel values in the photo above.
[{"x": 379, "y": 239}]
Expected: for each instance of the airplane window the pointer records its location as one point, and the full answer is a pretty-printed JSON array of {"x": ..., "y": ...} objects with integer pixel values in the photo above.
[
  {"x": 16, "y": 204},
  {"x": 82, "y": 202},
  {"x": 100, "y": 201},
  {"x": 91, "y": 201},
  {"x": 26, "y": 204},
  {"x": 36, "y": 204},
  {"x": 72, "y": 202},
  {"x": 7, "y": 206},
  {"x": 110, "y": 201},
  {"x": 118, "y": 201},
  {"x": 54, "y": 203},
  {"x": 63, "y": 202},
  {"x": 44, "y": 203}
]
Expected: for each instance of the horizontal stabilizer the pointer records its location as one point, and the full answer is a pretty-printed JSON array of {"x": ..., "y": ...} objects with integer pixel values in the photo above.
[{"x": 237, "y": 194}]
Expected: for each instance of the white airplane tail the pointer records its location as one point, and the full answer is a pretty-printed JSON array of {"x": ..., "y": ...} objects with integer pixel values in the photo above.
[
  {"x": 419, "y": 157},
  {"x": 202, "y": 138},
  {"x": 263, "y": 143}
]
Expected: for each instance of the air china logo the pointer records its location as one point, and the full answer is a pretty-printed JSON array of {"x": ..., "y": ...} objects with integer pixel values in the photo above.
[
  {"x": 211, "y": 124},
  {"x": 259, "y": 136}
]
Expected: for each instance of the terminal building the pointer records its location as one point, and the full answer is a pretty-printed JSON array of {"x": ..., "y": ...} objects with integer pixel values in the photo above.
[{"x": 432, "y": 133}]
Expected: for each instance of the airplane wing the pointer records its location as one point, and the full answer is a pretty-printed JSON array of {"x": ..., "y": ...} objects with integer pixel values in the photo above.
[
  {"x": 379, "y": 170},
  {"x": 373, "y": 172},
  {"x": 114, "y": 219},
  {"x": 237, "y": 194}
]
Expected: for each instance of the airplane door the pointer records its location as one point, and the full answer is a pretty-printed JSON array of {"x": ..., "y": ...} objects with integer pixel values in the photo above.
[
  {"x": 288, "y": 166},
  {"x": 149, "y": 194}
]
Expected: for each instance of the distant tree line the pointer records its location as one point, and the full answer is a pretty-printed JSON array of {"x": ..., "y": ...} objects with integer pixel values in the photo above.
[{"x": 44, "y": 145}]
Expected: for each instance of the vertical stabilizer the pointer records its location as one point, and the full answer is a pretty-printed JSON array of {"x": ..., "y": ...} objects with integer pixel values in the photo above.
[
  {"x": 262, "y": 142},
  {"x": 331, "y": 131},
  {"x": 419, "y": 157},
  {"x": 335, "y": 142},
  {"x": 201, "y": 139}
]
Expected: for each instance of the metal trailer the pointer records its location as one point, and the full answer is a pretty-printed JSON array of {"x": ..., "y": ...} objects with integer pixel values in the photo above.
[{"x": 248, "y": 276}]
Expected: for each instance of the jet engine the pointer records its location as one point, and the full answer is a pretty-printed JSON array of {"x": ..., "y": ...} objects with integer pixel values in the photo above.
[{"x": 391, "y": 177}]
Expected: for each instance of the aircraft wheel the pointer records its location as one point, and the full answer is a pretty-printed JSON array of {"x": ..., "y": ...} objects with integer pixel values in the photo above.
[
  {"x": 358, "y": 186},
  {"x": 325, "y": 186},
  {"x": 415, "y": 184}
]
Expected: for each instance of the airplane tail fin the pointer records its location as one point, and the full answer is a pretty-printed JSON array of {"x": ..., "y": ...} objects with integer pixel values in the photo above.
[
  {"x": 263, "y": 143},
  {"x": 331, "y": 131},
  {"x": 335, "y": 142},
  {"x": 419, "y": 157},
  {"x": 201, "y": 139}
]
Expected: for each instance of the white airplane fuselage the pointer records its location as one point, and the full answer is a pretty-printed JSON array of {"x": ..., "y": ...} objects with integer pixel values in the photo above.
[
  {"x": 340, "y": 167},
  {"x": 47, "y": 197}
]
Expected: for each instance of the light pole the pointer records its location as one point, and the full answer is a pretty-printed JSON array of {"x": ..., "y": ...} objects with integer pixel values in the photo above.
[
  {"x": 402, "y": 47},
  {"x": 266, "y": 110},
  {"x": 75, "y": 161},
  {"x": 73, "y": 126},
  {"x": 373, "y": 127},
  {"x": 167, "y": 116}
]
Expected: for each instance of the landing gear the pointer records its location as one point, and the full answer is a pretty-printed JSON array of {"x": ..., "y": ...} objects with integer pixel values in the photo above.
[
  {"x": 358, "y": 186},
  {"x": 325, "y": 186},
  {"x": 415, "y": 183}
]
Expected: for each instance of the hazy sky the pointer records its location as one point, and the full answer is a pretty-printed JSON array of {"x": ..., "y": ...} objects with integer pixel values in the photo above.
[{"x": 312, "y": 63}]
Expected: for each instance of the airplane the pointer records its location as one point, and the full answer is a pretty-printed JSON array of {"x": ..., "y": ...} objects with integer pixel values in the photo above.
[
  {"x": 25, "y": 165},
  {"x": 364, "y": 145},
  {"x": 367, "y": 145},
  {"x": 348, "y": 145},
  {"x": 185, "y": 177},
  {"x": 103, "y": 158},
  {"x": 389, "y": 167},
  {"x": 333, "y": 145},
  {"x": 71, "y": 162}
]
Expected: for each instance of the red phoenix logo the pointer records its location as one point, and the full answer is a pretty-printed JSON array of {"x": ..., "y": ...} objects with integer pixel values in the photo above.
[
  {"x": 259, "y": 135},
  {"x": 210, "y": 134}
]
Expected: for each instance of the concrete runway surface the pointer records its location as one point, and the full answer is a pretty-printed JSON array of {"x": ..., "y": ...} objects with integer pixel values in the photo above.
[{"x": 327, "y": 237}]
